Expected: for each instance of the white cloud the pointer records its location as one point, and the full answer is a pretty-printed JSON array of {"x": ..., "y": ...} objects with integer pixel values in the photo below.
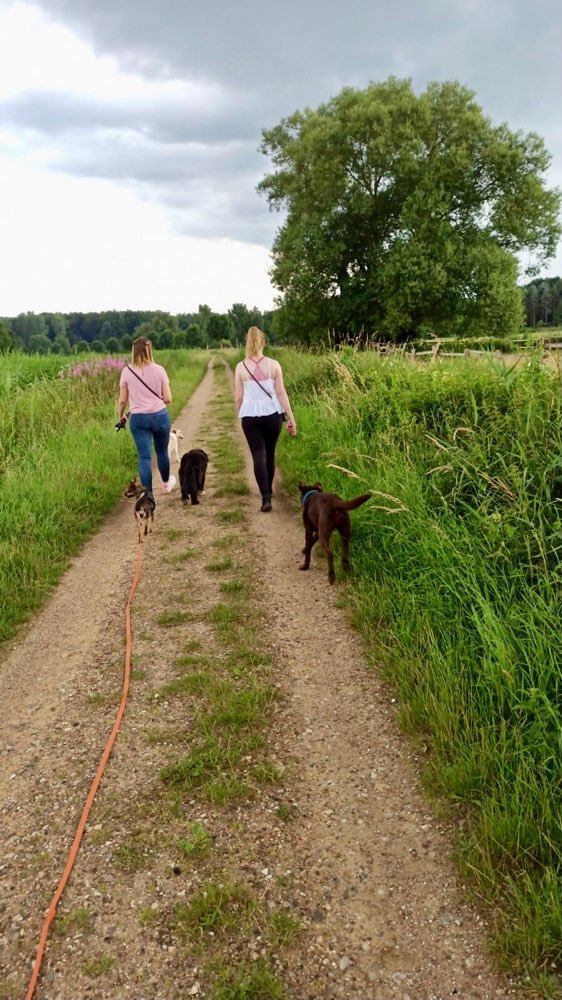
[
  {"x": 38, "y": 54},
  {"x": 80, "y": 244},
  {"x": 83, "y": 242}
]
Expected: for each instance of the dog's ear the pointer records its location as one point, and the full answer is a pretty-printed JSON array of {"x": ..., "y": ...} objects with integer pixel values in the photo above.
[
  {"x": 131, "y": 488},
  {"x": 318, "y": 486},
  {"x": 302, "y": 487}
]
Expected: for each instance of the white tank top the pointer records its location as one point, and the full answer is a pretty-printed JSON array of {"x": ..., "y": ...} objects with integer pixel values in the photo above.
[{"x": 256, "y": 402}]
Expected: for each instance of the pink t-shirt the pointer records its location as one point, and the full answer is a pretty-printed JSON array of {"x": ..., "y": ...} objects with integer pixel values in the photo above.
[{"x": 141, "y": 399}]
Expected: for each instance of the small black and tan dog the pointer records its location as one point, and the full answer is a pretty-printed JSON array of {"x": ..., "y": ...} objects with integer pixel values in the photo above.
[
  {"x": 193, "y": 469},
  {"x": 144, "y": 511},
  {"x": 132, "y": 488},
  {"x": 322, "y": 514}
]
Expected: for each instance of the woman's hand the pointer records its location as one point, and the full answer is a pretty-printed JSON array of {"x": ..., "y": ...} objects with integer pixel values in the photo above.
[{"x": 292, "y": 428}]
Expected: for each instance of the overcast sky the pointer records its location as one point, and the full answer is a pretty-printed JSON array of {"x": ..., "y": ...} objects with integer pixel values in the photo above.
[{"x": 129, "y": 129}]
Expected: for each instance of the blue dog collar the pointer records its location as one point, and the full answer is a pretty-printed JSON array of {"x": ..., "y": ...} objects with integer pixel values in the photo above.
[{"x": 306, "y": 496}]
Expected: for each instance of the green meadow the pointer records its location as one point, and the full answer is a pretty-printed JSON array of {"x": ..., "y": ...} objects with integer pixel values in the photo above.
[
  {"x": 455, "y": 582},
  {"x": 62, "y": 465}
]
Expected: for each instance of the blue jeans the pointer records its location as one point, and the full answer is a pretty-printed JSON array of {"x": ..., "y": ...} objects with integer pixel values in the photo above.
[{"x": 146, "y": 427}]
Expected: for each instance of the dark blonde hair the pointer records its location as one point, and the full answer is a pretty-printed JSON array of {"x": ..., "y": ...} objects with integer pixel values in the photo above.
[
  {"x": 141, "y": 354},
  {"x": 255, "y": 341}
]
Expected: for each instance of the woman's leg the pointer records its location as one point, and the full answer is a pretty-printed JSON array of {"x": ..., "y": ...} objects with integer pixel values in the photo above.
[
  {"x": 140, "y": 426},
  {"x": 161, "y": 425},
  {"x": 253, "y": 432},
  {"x": 271, "y": 431}
]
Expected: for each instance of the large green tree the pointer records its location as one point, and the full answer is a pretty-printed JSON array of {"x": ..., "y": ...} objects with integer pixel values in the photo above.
[{"x": 405, "y": 213}]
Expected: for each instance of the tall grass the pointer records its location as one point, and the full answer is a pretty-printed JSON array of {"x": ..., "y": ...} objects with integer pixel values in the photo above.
[
  {"x": 18, "y": 370},
  {"x": 456, "y": 583},
  {"x": 62, "y": 468}
]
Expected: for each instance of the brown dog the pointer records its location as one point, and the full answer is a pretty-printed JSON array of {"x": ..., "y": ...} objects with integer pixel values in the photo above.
[
  {"x": 322, "y": 514},
  {"x": 144, "y": 511}
]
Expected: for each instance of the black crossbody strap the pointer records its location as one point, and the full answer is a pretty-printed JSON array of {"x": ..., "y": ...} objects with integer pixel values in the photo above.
[
  {"x": 145, "y": 385},
  {"x": 257, "y": 380}
]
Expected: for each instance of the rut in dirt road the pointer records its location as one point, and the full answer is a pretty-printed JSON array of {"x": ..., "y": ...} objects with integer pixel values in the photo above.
[{"x": 259, "y": 828}]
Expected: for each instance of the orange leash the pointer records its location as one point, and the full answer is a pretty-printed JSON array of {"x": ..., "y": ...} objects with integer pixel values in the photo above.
[{"x": 51, "y": 912}]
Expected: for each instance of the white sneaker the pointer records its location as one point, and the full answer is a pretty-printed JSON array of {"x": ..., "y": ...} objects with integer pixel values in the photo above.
[{"x": 168, "y": 487}]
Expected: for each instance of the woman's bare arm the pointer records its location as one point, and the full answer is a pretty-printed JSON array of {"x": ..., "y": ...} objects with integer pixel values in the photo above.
[
  {"x": 123, "y": 400},
  {"x": 238, "y": 388},
  {"x": 282, "y": 394}
]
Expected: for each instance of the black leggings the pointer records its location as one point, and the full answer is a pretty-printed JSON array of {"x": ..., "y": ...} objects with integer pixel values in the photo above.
[{"x": 261, "y": 434}]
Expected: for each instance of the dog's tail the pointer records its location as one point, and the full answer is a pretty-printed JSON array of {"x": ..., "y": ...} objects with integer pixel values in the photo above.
[{"x": 352, "y": 504}]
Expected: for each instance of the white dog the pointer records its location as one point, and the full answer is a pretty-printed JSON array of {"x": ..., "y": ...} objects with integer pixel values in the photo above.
[{"x": 175, "y": 436}]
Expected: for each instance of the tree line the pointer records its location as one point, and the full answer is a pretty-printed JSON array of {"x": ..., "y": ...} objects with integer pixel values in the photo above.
[
  {"x": 113, "y": 331},
  {"x": 542, "y": 300}
]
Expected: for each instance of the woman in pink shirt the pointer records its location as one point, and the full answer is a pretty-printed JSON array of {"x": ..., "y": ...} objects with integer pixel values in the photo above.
[{"x": 145, "y": 389}]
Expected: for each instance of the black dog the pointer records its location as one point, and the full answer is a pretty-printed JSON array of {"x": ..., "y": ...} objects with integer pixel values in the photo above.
[
  {"x": 193, "y": 468},
  {"x": 322, "y": 514}
]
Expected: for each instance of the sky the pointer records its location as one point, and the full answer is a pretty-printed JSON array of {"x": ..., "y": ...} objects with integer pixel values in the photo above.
[{"x": 130, "y": 129}]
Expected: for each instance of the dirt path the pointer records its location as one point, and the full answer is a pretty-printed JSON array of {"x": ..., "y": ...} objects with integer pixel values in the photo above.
[{"x": 335, "y": 834}]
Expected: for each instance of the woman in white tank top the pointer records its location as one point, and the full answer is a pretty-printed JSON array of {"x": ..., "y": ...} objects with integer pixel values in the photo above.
[{"x": 262, "y": 400}]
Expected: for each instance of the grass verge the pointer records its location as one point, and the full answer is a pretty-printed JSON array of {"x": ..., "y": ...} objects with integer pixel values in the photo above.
[{"x": 455, "y": 583}]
